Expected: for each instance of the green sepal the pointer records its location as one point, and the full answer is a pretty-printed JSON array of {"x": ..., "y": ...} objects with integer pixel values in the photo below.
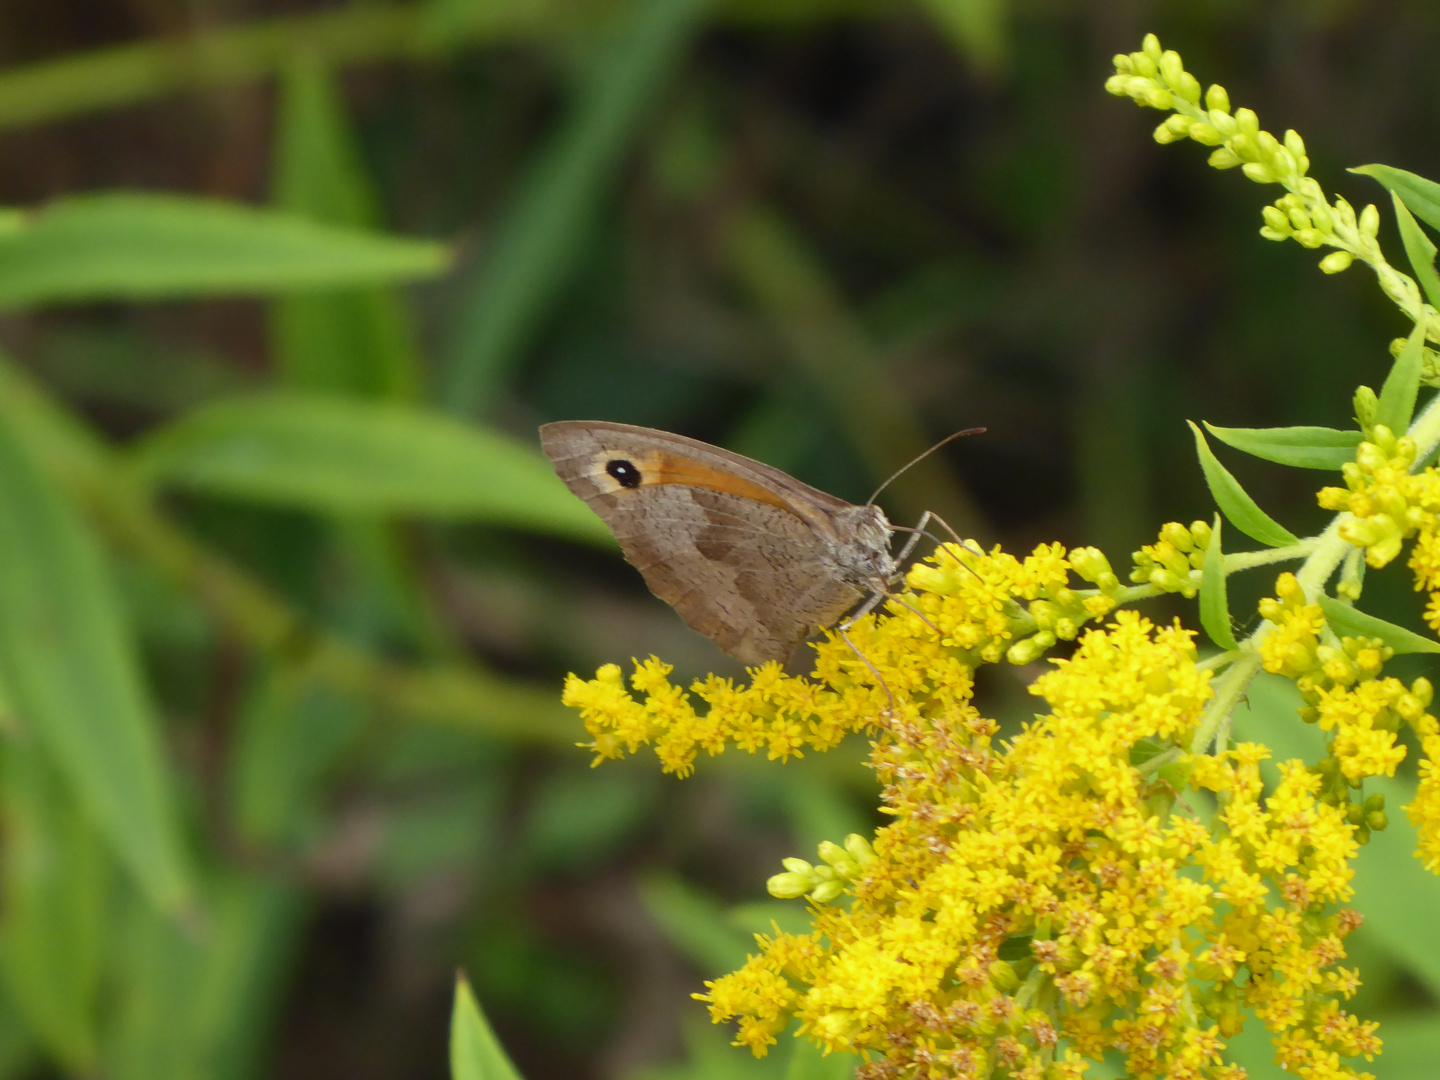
[
  {"x": 1347, "y": 621},
  {"x": 1302, "y": 447},
  {"x": 475, "y": 1053},
  {"x": 1421, "y": 196},
  {"x": 1214, "y": 603},
  {"x": 1402, "y": 385},
  {"x": 1419, "y": 247},
  {"x": 1244, "y": 513}
]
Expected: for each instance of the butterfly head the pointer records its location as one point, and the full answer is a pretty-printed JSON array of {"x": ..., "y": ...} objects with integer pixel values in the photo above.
[{"x": 862, "y": 555}]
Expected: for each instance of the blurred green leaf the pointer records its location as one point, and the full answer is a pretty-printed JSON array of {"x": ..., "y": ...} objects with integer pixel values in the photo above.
[
  {"x": 1412, "y": 1043},
  {"x": 1234, "y": 502},
  {"x": 353, "y": 340},
  {"x": 1419, "y": 248},
  {"x": 337, "y": 456},
  {"x": 68, "y": 663},
  {"x": 1214, "y": 605},
  {"x": 1402, "y": 385},
  {"x": 1352, "y": 622},
  {"x": 710, "y": 1056},
  {"x": 475, "y": 1053},
  {"x": 580, "y": 816},
  {"x": 56, "y": 891},
  {"x": 537, "y": 242},
  {"x": 977, "y": 27},
  {"x": 200, "y": 1001},
  {"x": 1301, "y": 447},
  {"x": 810, "y": 1062},
  {"x": 132, "y": 246},
  {"x": 291, "y": 732},
  {"x": 695, "y": 923},
  {"x": 1421, "y": 196}
]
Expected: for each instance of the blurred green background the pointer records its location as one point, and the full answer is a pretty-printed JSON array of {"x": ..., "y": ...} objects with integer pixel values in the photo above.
[{"x": 287, "y": 594}]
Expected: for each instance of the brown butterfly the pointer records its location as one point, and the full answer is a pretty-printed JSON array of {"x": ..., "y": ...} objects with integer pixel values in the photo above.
[{"x": 749, "y": 556}]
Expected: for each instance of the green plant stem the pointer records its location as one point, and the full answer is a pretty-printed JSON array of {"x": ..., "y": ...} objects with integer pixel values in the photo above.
[
  {"x": 86, "y": 468},
  {"x": 1230, "y": 687}
]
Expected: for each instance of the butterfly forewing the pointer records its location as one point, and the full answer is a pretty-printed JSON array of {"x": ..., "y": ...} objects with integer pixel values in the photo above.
[{"x": 740, "y": 550}]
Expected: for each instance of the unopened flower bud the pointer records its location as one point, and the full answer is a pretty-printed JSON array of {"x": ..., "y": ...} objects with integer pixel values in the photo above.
[
  {"x": 1223, "y": 158},
  {"x": 1172, "y": 68},
  {"x": 1261, "y": 174},
  {"x": 1370, "y": 221},
  {"x": 788, "y": 886},
  {"x": 860, "y": 849},
  {"x": 1366, "y": 405},
  {"x": 1336, "y": 262},
  {"x": 1216, "y": 99}
]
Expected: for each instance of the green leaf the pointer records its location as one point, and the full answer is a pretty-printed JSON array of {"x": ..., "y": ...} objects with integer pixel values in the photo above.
[
  {"x": 69, "y": 666},
  {"x": 124, "y": 246},
  {"x": 1351, "y": 622},
  {"x": 696, "y": 923},
  {"x": 1402, "y": 385},
  {"x": 1421, "y": 196},
  {"x": 475, "y": 1053},
  {"x": 189, "y": 1003},
  {"x": 337, "y": 456},
  {"x": 345, "y": 340},
  {"x": 1419, "y": 248},
  {"x": 538, "y": 243},
  {"x": 1214, "y": 605},
  {"x": 1235, "y": 503},
  {"x": 1300, "y": 447},
  {"x": 811, "y": 1062},
  {"x": 56, "y": 888},
  {"x": 290, "y": 734}
]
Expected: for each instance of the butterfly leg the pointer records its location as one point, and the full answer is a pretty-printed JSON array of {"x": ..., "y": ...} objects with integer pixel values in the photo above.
[{"x": 873, "y": 670}]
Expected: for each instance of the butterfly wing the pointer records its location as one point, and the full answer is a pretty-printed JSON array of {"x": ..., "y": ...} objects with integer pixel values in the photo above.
[{"x": 717, "y": 536}]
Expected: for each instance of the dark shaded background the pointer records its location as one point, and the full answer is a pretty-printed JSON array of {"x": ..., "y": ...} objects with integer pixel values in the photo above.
[{"x": 840, "y": 232}]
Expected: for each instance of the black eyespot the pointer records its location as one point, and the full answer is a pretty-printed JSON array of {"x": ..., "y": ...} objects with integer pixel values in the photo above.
[{"x": 625, "y": 474}]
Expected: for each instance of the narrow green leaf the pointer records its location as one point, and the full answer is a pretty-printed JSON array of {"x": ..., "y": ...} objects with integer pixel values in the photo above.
[
  {"x": 475, "y": 1053},
  {"x": 696, "y": 923},
  {"x": 52, "y": 935},
  {"x": 69, "y": 666},
  {"x": 338, "y": 456},
  {"x": 1420, "y": 248},
  {"x": 1234, "y": 502},
  {"x": 1421, "y": 196},
  {"x": 1351, "y": 622},
  {"x": 1214, "y": 604},
  {"x": 124, "y": 246},
  {"x": 357, "y": 340},
  {"x": 538, "y": 243},
  {"x": 1402, "y": 385},
  {"x": 1300, "y": 447},
  {"x": 190, "y": 1004},
  {"x": 291, "y": 733}
]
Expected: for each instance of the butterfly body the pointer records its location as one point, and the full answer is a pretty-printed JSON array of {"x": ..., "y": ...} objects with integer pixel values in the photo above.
[{"x": 748, "y": 555}]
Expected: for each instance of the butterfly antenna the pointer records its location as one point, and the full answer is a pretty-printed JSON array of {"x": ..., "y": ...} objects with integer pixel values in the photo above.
[{"x": 919, "y": 458}]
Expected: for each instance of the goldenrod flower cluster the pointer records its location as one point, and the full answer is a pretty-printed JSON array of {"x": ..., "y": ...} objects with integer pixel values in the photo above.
[
  {"x": 1114, "y": 878},
  {"x": 1036, "y": 903}
]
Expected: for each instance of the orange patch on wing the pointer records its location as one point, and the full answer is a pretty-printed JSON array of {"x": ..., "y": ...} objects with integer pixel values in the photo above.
[{"x": 656, "y": 467}]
